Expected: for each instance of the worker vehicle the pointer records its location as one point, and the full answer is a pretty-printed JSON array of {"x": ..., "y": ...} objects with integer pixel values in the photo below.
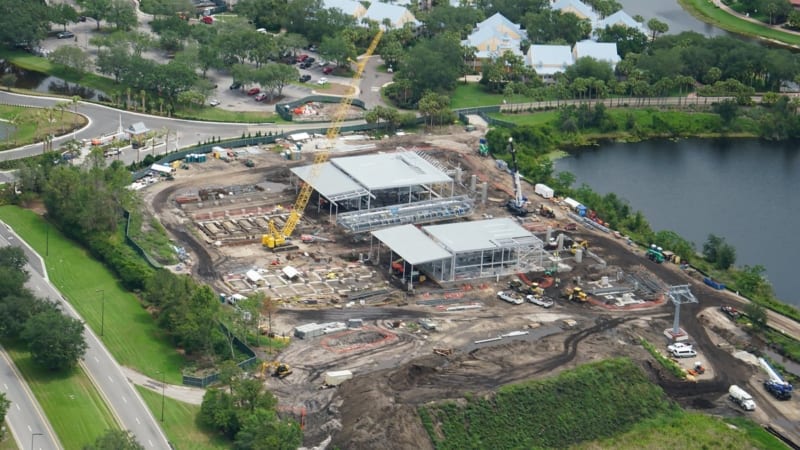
[
  {"x": 698, "y": 369},
  {"x": 483, "y": 147},
  {"x": 546, "y": 211},
  {"x": 276, "y": 369},
  {"x": 249, "y": 163},
  {"x": 741, "y": 398},
  {"x": 776, "y": 385},
  {"x": 679, "y": 346},
  {"x": 732, "y": 312},
  {"x": 541, "y": 301},
  {"x": 655, "y": 254},
  {"x": 510, "y": 298},
  {"x": 575, "y": 294},
  {"x": 579, "y": 245},
  {"x": 684, "y": 353},
  {"x": 516, "y": 205},
  {"x": 277, "y": 238}
]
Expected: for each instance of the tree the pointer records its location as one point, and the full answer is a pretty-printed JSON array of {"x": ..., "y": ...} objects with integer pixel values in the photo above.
[
  {"x": 4, "y": 405},
  {"x": 71, "y": 57},
  {"x": 96, "y": 9},
  {"x": 757, "y": 315},
  {"x": 657, "y": 27},
  {"x": 23, "y": 23},
  {"x": 13, "y": 258},
  {"x": 432, "y": 65},
  {"x": 719, "y": 252},
  {"x": 337, "y": 49},
  {"x": 8, "y": 80},
  {"x": 262, "y": 430},
  {"x": 727, "y": 110},
  {"x": 62, "y": 14},
  {"x": 435, "y": 108},
  {"x": 751, "y": 282},
  {"x": 122, "y": 14},
  {"x": 55, "y": 341},
  {"x": 115, "y": 440},
  {"x": 218, "y": 413},
  {"x": 628, "y": 39}
]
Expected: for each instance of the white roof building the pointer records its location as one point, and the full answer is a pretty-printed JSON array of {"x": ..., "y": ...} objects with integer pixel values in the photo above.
[
  {"x": 494, "y": 36},
  {"x": 601, "y": 51},
  {"x": 577, "y": 7},
  {"x": 548, "y": 60},
  {"x": 349, "y": 7},
  {"x": 620, "y": 18},
  {"x": 397, "y": 16}
]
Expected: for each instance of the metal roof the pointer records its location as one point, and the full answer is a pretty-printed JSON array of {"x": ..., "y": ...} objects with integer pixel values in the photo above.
[
  {"x": 391, "y": 170},
  {"x": 480, "y": 235},
  {"x": 331, "y": 182},
  {"x": 411, "y": 244}
]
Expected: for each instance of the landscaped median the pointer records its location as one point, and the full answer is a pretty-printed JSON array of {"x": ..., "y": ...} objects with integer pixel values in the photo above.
[
  {"x": 180, "y": 423},
  {"x": 127, "y": 329},
  {"x": 74, "y": 408}
]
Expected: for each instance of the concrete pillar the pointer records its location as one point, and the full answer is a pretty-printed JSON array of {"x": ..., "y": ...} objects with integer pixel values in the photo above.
[
  {"x": 473, "y": 182},
  {"x": 459, "y": 175},
  {"x": 484, "y": 192}
]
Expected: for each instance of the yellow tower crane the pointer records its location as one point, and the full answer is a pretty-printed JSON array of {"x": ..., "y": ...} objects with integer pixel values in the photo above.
[{"x": 277, "y": 238}]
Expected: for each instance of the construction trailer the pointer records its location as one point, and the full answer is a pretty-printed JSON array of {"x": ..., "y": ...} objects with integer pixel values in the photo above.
[{"x": 462, "y": 251}]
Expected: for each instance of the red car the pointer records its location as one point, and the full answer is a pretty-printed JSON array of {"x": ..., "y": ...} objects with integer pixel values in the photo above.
[
  {"x": 327, "y": 70},
  {"x": 253, "y": 91},
  {"x": 301, "y": 58},
  {"x": 208, "y": 20}
]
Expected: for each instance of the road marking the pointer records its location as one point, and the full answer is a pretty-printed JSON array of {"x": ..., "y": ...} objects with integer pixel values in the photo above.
[
  {"x": 137, "y": 420},
  {"x": 96, "y": 359},
  {"x": 150, "y": 442},
  {"x": 110, "y": 378},
  {"x": 18, "y": 408},
  {"x": 375, "y": 88},
  {"x": 124, "y": 399},
  {"x": 30, "y": 429},
  {"x": 5, "y": 386}
]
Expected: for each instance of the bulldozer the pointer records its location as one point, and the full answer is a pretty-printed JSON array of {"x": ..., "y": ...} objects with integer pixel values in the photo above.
[
  {"x": 277, "y": 369},
  {"x": 575, "y": 294}
]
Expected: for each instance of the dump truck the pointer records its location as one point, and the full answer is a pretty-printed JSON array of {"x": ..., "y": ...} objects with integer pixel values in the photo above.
[{"x": 741, "y": 398}]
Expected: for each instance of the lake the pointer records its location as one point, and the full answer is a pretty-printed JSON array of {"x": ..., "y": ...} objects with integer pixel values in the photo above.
[{"x": 743, "y": 190}]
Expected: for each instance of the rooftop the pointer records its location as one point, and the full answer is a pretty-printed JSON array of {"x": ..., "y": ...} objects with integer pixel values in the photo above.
[
  {"x": 549, "y": 59},
  {"x": 331, "y": 182},
  {"x": 390, "y": 170},
  {"x": 414, "y": 246},
  {"x": 478, "y": 235}
]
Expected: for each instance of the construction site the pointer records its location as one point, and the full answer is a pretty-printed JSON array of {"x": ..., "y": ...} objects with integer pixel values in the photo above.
[{"x": 391, "y": 277}]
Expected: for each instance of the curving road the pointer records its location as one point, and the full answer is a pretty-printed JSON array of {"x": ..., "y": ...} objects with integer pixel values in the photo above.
[
  {"x": 25, "y": 416},
  {"x": 106, "y": 374}
]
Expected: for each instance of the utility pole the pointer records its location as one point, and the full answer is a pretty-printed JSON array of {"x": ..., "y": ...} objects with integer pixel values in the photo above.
[{"x": 102, "y": 309}]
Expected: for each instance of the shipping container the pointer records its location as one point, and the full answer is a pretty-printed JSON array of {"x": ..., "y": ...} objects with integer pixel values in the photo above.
[
  {"x": 335, "y": 378},
  {"x": 544, "y": 190}
]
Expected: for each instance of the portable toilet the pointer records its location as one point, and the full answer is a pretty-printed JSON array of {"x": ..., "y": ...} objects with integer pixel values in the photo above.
[{"x": 201, "y": 158}]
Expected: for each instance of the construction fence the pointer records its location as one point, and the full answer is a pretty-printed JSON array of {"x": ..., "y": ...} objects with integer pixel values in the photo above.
[
  {"x": 285, "y": 109},
  {"x": 210, "y": 378}
]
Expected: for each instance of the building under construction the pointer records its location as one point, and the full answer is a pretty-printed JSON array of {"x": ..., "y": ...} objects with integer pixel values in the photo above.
[
  {"x": 368, "y": 192},
  {"x": 459, "y": 251}
]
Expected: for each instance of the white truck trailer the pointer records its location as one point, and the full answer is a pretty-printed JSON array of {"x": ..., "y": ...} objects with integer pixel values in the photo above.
[{"x": 741, "y": 398}]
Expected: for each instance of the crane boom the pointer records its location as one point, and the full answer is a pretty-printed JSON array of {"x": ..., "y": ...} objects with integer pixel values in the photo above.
[
  {"x": 275, "y": 239},
  {"x": 517, "y": 204}
]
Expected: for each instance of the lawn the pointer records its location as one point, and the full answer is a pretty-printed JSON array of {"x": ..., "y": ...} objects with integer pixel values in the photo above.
[
  {"x": 180, "y": 423},
  {"x": 706, "y": 11},
  {"x": 129, "y": 332},
  {"x": 222, "y": 115},
  {"x": 30, "y": 128},
  {"x": 74, "y": 408},
  {"x": 8, "y": 443},
  {"x": 472, "y": 95}
]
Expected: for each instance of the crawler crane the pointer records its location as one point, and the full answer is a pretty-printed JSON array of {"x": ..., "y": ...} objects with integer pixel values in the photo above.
[{"x": 516, "y": 205}]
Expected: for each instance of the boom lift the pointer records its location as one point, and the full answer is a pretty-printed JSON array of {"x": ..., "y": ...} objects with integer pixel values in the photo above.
[
  {"x": 277, "y": 238},
  {"x": 516, "y": 205}
]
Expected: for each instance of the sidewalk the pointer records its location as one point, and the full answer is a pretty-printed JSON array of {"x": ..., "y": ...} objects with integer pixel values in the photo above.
[{"x": 184, "y": 394}]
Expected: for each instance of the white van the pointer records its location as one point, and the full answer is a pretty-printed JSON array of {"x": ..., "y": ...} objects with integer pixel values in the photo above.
[{"x": 684, "y": 353}]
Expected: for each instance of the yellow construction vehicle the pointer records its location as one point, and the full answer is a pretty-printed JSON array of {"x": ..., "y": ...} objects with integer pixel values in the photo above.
[
  {"x": 579, "y": 245},
  {"x": 277, "y": 369},
  {"x": 277, "y": 238},
  {"x": 575, "y": 294}
]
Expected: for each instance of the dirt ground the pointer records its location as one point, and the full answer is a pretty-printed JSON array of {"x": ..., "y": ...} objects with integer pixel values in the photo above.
[{"x": 392, "y": 358}]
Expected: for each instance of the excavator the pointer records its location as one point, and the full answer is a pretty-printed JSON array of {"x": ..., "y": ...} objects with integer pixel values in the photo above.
[
  {"x": 575, "y": 294},
  {"x": 579, "y": 245},
  {"x": 516, "y": 205},
  {"x": 277, "y": 369},
  {"x": 545, "y": 211},
  {"x": 276, "y": 239}
]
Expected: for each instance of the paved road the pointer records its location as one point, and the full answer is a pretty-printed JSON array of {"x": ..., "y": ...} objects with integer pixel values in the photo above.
[
  {"x": 119, "y": 394},
  {"x": 25, "y": 416}
]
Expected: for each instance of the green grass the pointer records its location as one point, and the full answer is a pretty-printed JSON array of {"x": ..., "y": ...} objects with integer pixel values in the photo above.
[
  {"x": 667, "y": 363},
  {"x": 28, "y": 130},
  {"x": 28, "y": 61},
  {"x": 707, "y": 12},
  {"x": 590, "y": 402},
  {"x": 153, "y": 240},
  {"x": 688, "y": 430},
  {"x": 74, "y": 408},
  {"x": 8, "y": 442},
  {"x": 222, "y": 115},
  {"x": 180, "y": 423},
  {"x": 130, "y": 333},
  {"x": 472, "y": 95}
]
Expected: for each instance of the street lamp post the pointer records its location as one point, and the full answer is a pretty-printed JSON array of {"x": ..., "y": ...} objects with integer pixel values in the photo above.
[
  {"x": 163, "y": 389},
  {"x": 102, "y": 309},
  {"x": 47, "y": 239},
  {"x": 33, "y": 435}
]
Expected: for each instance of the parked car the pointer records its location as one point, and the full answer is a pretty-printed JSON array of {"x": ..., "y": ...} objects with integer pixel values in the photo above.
[
  {"x": 213, "y": 102},
  {"x": 540, "y": 301},
  {"x": 304, "y": 78},
  {"x": 235, "y": 85},
  {"x": 684, "y": 353},
  {"x": 305, "y": 64},
  {"x": 327, "y": 70},
  {"x": 65, "y": 34},
  {"x": 310, "y": 60},
  {"x": 208, "y": 20},
  {"x": 301, "y": 58},
  {"x": 322, "y": 80},
  {"x": 260, "y": 97},
  {"x": 81, "y": 18},
  {"x": 679, "y": 346},
  {"x": 253, "y": 91}
]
